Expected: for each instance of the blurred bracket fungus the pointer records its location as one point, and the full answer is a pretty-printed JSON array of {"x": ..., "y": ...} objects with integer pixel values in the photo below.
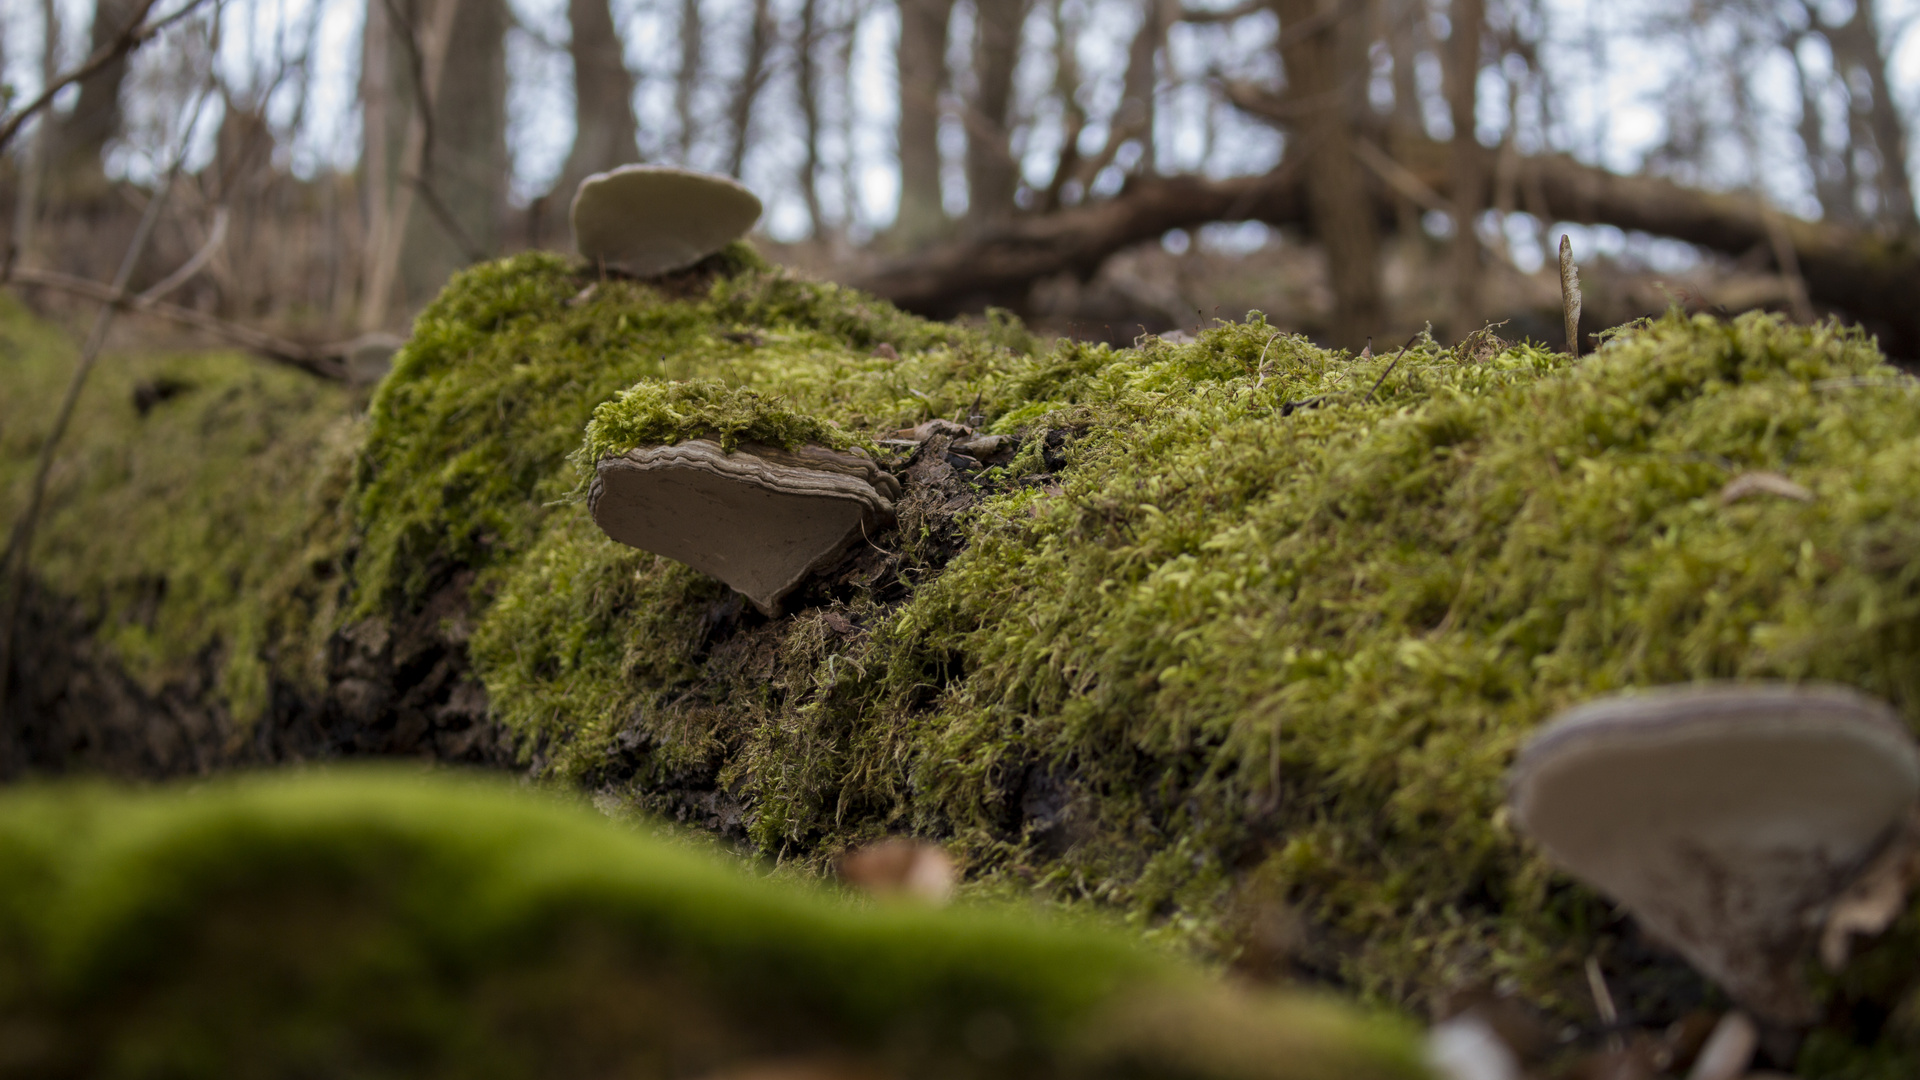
[
  {"x": 899, "y": 867},
  {"x": 1730, "y": 820},
  {"x": 1570, "y": 295},
  {"x": 648, "y": 220},
  {"x": 760, "y": 519}
]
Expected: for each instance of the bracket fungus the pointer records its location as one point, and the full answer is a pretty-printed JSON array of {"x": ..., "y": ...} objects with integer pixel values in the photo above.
[
  {"x": 760, "y": 519},
  {"x": 647, "y": 220},
  {"x": 1727, "y": 819}
]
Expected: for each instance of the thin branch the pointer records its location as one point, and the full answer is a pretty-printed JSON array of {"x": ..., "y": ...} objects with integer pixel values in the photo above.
[
  {"x": 321, "y": 361},
  {"x": 137, "y": 33},
  {"x": 216, "y": 236}
]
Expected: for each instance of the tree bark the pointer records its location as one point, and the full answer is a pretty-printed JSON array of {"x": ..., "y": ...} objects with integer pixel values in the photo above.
[
  {"x": 1325, "y": 69},
  {"x": 922, "y": 66},
  {"x": 807, "y": 75},
  {"x": 605, "y": 132}
]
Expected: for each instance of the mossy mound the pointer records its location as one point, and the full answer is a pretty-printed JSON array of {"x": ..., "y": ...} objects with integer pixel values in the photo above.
[
  {"x": 193, "y": 508},
  {"x": 394, "y": 924}
]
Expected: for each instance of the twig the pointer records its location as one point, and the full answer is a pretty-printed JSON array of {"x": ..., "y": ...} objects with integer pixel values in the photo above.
[
  {"x": 322, "y": 361},
  {"x": 1368, "y": 400},
  {"x": 216, "y": 236},
  {"x": 137, "y": 33},
  {"x": 1570, "y": 295}
]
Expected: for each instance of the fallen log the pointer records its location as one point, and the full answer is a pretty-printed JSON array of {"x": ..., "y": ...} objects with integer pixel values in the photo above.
[{"x": 1857, "y": 272}]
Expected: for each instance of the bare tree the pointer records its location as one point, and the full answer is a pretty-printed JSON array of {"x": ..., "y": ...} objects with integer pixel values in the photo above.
[
  {"x": 80, "y": 137},
  {"x": 605, "y": 131},
  {"x": 922, "y": 66},
  {"x": 1325, "y": 50},
  {"x": 992, "y": 173},
  {"x": 1468, "y": 19},
  {"x": 746, "y": 91},
  {"x": 686, "y": 84}
]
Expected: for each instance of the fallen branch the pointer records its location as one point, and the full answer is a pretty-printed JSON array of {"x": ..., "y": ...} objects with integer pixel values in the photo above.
[
  {"x": 323, "y": 361},
  {"x": 1856, "y": 271}
]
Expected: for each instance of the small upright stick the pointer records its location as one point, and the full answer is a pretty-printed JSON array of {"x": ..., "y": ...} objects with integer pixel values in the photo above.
[{"x": 1570, "y": 295}]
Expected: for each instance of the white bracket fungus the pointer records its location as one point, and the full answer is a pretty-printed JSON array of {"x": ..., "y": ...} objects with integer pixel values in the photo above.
[
  {"x": 759, "y": 519},
  {"x": 647, "y": 220},
  {"x": 1727, "y": 819}
]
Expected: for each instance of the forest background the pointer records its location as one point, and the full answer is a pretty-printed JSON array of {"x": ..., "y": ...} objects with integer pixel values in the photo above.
[{"x": 1100, "y": 167}]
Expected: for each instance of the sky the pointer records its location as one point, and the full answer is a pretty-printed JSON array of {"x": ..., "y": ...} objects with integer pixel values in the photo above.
[{"x": 1614, "y": 116}]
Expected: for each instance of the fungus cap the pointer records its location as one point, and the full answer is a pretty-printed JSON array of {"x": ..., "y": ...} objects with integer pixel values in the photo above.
[
  {"x": 647, "y": 220},
  {"x": 1723, "y": 818},
  {"x": 759, "y": 519}
]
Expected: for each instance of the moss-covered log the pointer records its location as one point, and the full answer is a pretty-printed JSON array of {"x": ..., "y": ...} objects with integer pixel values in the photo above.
[{"x": 1237, "y": 631}]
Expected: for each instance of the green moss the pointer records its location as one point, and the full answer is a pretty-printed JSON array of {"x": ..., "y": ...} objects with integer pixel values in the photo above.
[
  {"x": 387, "y": 923},
  {"x": 1270, "y": 622},
  {"x": 662, "y": 414},
  {"x": 191, "y": 530}
]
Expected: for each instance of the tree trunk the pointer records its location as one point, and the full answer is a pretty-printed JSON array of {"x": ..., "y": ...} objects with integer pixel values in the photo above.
[
  {"x": 74, "y": 166},
  {"x": 605, "y": 133},
  {"x": 687, "y": 80},
  {"x": 922, "y": 65},
  {"x": 1468, "y": 18},
  {"x": 437, "y": 175},
  {"x": 807, "y": 75},
  {"x": 747, "y": 90},
  {"x": 1856, "y": 45},
  {"x": 1325, "y": 59},
  {"x": 992, "y": 173}
]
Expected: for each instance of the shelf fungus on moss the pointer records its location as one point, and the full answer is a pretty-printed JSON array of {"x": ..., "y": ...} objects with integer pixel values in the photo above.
[
  {"x": 760, "y": 519},
  {"x": 1728, "y": 819},
  {"x": 647, "y": 220}
]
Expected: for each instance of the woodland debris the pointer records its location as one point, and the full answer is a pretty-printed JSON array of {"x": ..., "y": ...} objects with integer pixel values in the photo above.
[{"x": 914, "y": 869}]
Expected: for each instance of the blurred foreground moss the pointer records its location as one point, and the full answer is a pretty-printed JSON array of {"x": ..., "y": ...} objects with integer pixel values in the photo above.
[{"x": 392, "y": 923}]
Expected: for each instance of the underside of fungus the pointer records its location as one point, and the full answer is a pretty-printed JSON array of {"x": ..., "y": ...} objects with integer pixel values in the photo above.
[
  {"x": 647, "y": 220},
  {"x": 1726, "y": 819},
  {"x": 760, "y": 519}
]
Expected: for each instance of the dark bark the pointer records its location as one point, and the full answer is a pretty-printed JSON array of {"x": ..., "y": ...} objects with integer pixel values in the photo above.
[
  {"x": 605, "y": 133},
  {"x": 462, "y": 188},
  {"x": 922, "y": 67},
  {"x": 1325, "y": 69}
]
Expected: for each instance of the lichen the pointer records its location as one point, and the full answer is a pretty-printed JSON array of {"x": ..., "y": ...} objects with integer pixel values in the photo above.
[{"x": 394, "y": 923}]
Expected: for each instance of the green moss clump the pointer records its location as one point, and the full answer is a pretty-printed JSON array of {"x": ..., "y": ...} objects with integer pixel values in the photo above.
[
  {"x": 193, "y": 506},
  {"x": 387, "y": 923},
  {"x": 663, "y": 414}
]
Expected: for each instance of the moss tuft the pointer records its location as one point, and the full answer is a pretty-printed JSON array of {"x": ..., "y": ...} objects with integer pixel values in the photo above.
[{"x": 663, "y": 414}]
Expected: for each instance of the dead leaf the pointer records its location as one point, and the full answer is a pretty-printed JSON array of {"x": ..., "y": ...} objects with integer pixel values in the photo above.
[
  {"x": 1874, "y": 899},
  {"x": 914, "y": 869}
]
